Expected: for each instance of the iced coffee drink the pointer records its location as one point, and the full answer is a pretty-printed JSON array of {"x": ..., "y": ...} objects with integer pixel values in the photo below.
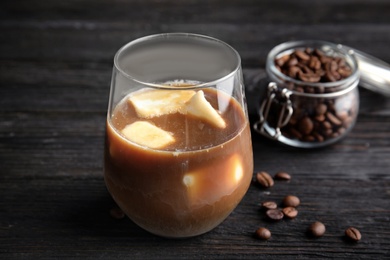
[{"x": 178, "y": 155}]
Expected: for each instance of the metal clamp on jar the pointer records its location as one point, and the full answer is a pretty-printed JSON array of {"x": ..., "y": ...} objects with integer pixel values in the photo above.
[{"x": 313, "y": 98}]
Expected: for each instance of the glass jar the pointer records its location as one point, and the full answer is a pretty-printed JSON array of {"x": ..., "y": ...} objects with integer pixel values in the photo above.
[{"x": 303, "y": 111}]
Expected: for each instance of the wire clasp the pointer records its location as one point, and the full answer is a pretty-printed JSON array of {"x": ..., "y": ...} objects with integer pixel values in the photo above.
[{"x": 281, "y": 99}]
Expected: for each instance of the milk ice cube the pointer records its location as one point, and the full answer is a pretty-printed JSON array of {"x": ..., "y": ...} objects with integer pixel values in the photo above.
[
  {"x": 199, "y": 106},
  {"x": 150, "y": 103},
  {"x": 210, "y": 183},
  {"x": 147, "y": 134}
]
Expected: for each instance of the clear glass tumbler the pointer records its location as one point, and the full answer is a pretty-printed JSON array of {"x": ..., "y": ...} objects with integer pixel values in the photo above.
[{"x": 178, "y": 152}]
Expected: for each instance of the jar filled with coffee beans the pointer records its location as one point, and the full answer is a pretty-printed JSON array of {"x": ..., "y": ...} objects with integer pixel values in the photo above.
[{"x": 312, "y": 99}]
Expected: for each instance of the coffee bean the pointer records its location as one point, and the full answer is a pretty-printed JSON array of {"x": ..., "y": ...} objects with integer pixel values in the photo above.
[
  {"x": 309, "y": 138},
  {"x": 326, "y": 125},
  {"x": 264, "y": 179},
  {"x": 295, "y": 133},
  {"x": 291, "y": 201},
  {"x": 318, "y": 137},
  {"x": 263, "y": 233},
  {"x": 293, "y": 72},
  {"x": 305, "y": 125},
  {"x": 319, "y": 118},
  {"x": 302, "y": 55},
  {"x": 282, "y": 60},
  {"x": 283, "y": 176},
  {"x": 327, "y": 132},
  {"x": 321, "y": 109},
  {"x": 353, "y": 234},
  {"x": 269, "y": 205},
  {"x": 290, "y": 212},
  {"x": 315, "y": 63},
  {"x": 333, "y": 119},
  {"x": 292, "y": 61},
  {"x": 274, "y": 214},
  {"x": 344, "y": 72},
  {"x": 309, "y": 77},
  {"x": 342, "y": 115},
  {"x": 317, "y": 229}
]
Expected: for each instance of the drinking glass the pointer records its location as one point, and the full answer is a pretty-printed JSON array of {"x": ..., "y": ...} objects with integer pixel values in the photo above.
[{"x": 178, "y": 152}]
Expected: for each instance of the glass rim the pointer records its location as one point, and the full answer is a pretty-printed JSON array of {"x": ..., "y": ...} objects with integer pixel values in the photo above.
[{"x": 180, "y": 35}]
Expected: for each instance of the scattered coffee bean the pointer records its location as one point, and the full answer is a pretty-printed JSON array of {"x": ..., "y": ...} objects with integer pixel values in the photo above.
[
  {"x": 291, "y": 201},
  {"x": 317, "y": 229},
  {"x": 117, "y": 213},
  {"x": 283, "y": 176},
  {"x": 274, "y": 214},
  {"x": 263, "y": 233},
  {"x": 264, "y": 179},
  {"x": 290, "y": 212},
  {"x": 269, "y": 205},
  {"x": 353, "y": 234}
]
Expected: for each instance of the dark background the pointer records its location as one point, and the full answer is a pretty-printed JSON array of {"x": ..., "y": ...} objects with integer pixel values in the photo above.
[{"x": 55, "y": 69}]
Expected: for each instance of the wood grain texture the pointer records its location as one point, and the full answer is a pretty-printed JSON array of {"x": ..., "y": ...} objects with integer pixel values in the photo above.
[{"x": 56, "y": 62}]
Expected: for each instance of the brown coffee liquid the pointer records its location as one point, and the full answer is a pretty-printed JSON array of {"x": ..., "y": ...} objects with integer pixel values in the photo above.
[{"x": 188, "y": 187}]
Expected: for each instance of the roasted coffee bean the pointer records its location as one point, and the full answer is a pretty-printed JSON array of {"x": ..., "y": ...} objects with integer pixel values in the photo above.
[
  {"x": 264, "y": 179},
  {"x": 320, "y": 89},
  {"x": 341, "y": 130},
  {"x": 332, "y": 66},
  {"x": 327, "y": 132},
  {"x": 309, "y": 77},
  {"x": 330, "y": 76},
  {"x": 302, "y": 55},
  {"x": 295, "y": 133},
  {"x": 290, "y": 212},
  {"x": 315, "y": 63},
  {"x": 309, "y": 138},
  {"x": 326, "y": 125},
  {"x": 269, "y": 205},
  {"x": 344, "y": 72},
  {"x": 317, "y": 229},
  {"x": 263, "y": 233},
  {"x": 333, "y": 119},
  {"x": 282, "y": 60},
  {"x": 318, "y": 137},
  {"x": 353, "y": 234},
  {"x": 274, "y": 214},
  {"x": 291, "y": 201},
  {"x": 292, "y": 61},
  {"x": 283, "y": 176},
  {"x": 319, "y": 118},
  {"x": 343, "y": 115},
  {"x": 305, "y": 125},
  {"x": 294, "y": 71},
  {"x": 321, "y": 109}
]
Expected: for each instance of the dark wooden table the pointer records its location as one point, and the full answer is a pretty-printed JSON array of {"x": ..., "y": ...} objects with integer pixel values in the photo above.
[{"x": 56, "y": 61}]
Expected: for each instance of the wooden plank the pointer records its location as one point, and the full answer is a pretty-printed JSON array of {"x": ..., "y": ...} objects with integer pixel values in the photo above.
[
  {"x": 253, "y": 41},
  {"x": 74, "y": 221},
  {"x": 56, "y": 63}
]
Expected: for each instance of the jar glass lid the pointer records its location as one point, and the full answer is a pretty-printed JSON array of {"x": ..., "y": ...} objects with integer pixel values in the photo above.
[{"x": 374, "y": 73}]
